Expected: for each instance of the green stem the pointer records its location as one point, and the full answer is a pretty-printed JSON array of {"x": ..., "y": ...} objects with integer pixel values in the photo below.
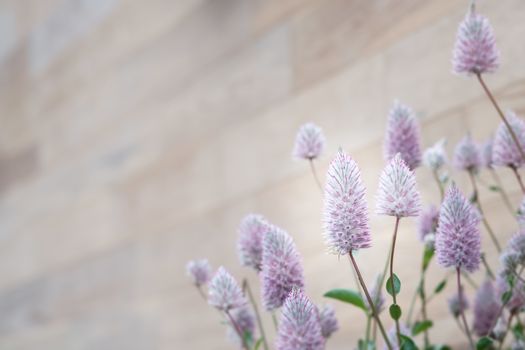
[
  {"x": 487, "y": 267},
  {"x": 440, "y": 185},
  {"x": 509, "y": 323},
  {"x": 394, "y": 294},
  {"x": 246, "y": 288},
  {"x": 518, "y": 177},
  {"x": 274, "y": 319},
  {"x": 465, "y": 324},
  {"x": 368, "y": 322},
  {"x": 314, "y": 172}
]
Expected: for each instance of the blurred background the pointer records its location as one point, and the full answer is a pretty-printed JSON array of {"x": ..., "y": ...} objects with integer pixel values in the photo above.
[{"x": 135, "y": 135}]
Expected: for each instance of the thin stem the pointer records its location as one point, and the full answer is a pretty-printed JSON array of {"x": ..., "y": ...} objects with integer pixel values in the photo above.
[
  {"x": 367, "y": 334},
  {"x": 518, "y": 177},
  {"x": 465, "y": 324},
  {"x": 440, "y": 185},
  {"x": 487, "y": 267},
  {"x": 501, "y": 114},
  {"x": 370, "y": 302},
  {"x": 483, "y": 218},
  {"x": 502, "y": 191},
  {"x": 246, "y": 288},
  {"x": 237, "y": 329},
  {"x": 509, "y": 323},
  {"x": 459, "y": 325},
  {"x": 201, "y": 292},
  {"x": 424, "y": 309},
  {"x": 314, "y": 172},
  {"x": 274, "y": 319},
  {"x": 394, "y": 297},
  {"x": 470, "y": 281}
]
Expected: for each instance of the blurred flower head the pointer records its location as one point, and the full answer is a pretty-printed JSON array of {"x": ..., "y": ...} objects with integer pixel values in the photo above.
[
  {"x": 467, "y": 155},
  {"x": 457, "y": 304},
  {"x": 517, "y": 299},
  {"x": 486, "y": 153},
  {"x": 436, "y": 156},
  {"x": 486, "y": 309},
  {"x": 329, "y": 324},
  {"x": 199, "y": 271},
  {"x": 245, "y": 320},
  {"x": 224, "y": 292},
  {"x": 309, "y": 142},
  {"x": 504, "y": 150},
  {"x": 428, "y": 222},
  {"x": 249, "y": 246}
]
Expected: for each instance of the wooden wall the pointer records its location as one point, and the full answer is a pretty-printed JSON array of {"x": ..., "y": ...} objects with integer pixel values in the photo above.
[{"x": 134, "y": 135}]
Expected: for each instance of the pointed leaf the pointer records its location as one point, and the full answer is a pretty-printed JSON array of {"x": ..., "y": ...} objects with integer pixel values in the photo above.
[
  {"x": 397, "y": 285},
  {"x": 484, "y": 343},
  {"x": 440, "y": 286},
  {"x": 347, "y": 296},
  {"x": 421, "y": 326}
]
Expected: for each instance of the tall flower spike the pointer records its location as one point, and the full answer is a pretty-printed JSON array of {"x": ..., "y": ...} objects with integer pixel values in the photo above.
[
  {"x": 281, "y": 268},
  {"x": 504, "y": 150},
  {"x": 224, "y": 291},
  {"x": 249, "y": 246},
  {"x": 486, "y": 309},
  {"x": 467, "y": 155},
  {"x": 329, "y": 324},
  {"x": 403, "y": 136},
  {"x": 458, "y": 240},
  {"x": 345, "y": 211},
  {"x": 199, "y": 271},
  {"x": 436, "y": 156},
  {"x": 299, "y": 327},
  {"x": 475, "y": 49},
  {"x": 457, "y": 305},
  {"x": 397, "y": 194},
  {"x": 309, "y": 142},
  {"x": 377, "y": 296},
  {"x": 486, "y": 153},
  {"x": 428, "y": 222},
  {"x": 245, "y": 320}
]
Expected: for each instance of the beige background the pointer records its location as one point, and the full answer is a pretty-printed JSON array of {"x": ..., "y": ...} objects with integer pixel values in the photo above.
[{"x": 134, "y": 135}]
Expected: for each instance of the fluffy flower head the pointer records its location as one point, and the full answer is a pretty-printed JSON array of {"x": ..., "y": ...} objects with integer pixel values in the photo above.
[
  {"x": 521, "y": 214},
  {"x": 249, "y": 246},
  {"x": 457, "y": 304},
  {"x": 299, "y": 327},
  {"x": 199, "y": 271},
  {"x": 428, "y": 222},
  {"x": 436, "y": 156},
  {"x": 458, "y": 240},
  {"x": 329, "y": 324},
  {"x": 504, "y": 150},
  {"x": 467, "y": 155},
  {"x": 486, "y": 309},
  {"x": 475, "y": 49},
  {"x": 486, "y": 153},
  {"x": 224, "y": 292},
  {"x": 281, "y": 268},
  {"x": 345, "y": 211},
  {"x": 397, "y": 194},
  {"x": 309, "y": 142},
  {"x": 403, "y": 136}
]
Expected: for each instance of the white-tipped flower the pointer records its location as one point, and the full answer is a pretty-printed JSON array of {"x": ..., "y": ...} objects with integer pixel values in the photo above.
[
  {"x": 249, "y": 246},
  {"x": 436, "y": 156},
  {"x": 309, "y": 142},
  {"x": 224, "y": 292}
]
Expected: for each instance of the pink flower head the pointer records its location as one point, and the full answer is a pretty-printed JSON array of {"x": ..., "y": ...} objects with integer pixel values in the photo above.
[
  {"x": 377, "y": 296},
  {"x": 486, "y": 309},
  {"x": 199, "y": 271},
  {"x": 475, "y": 49},
  {"x": 517, "y": 300},
  {"x": 504, "y": 150},
  {"x": 392, "y": 335},
  {"x": 458, "y": 240},
  {"x": 281, "y": 268},
  {"x": 245, "y": 320},
  {"x": 299, "y": 326},
  {"x": 467, "y": 155},
  {"x": 397, "y": 194},
  {"x": 249, "y": 246},
  {"x": 486, "y": 153},
  {"x": 457, "y": 304},
  {"x": 516, "y": 246},
  {"x": 521, "y": 214},
  {"x": 309, "y": 142},
  {"x": 428, "y": 222},
  {"x": 436, "y": 156},
  {"x": 224, "y": 292},
  {"x": 403, "y": 136},
  {"x": 329, "y": 324},
  {"x": 345, "y": 211}
]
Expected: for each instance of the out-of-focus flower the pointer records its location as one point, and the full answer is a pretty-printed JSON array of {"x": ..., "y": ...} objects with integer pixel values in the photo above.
[
  {"x": 392, "y": 335},
  {"x": 517, "y": 300},
  {"x": 224, "y": 292},
  {"x": 299, "y": 326},
  {"x": 329, "y": 324},
  {"x": 500, "y": 328},
  {"x": 436, "y": 156},
  {"x": 249, "y": 246},
  {"x": 486, "y": 153},
  {"x": 199, "y": 271},
  {"x": 281, "y": 268},
  {"x": 486, "y": 309},
  {"x": 428, "y": 222},
  {"x": 467, "y": 156},
  {"x": 521, "y": 214},
  {"x": 309, "y": 142},
  {"x": 403, "y": 136},
  {"x": 397, "y": 194},
  {"x": 518, "y": 345},
  {"x": 245, "y": 320},
  {"x": 475, "y": 49},
  {"x": 377, "y": 296},
  {"x": 457, "y": 304},
  {"x": 345, "y": 211},
  {"x": 458, "y": 240},
  {"x": 504, "y": 150}
]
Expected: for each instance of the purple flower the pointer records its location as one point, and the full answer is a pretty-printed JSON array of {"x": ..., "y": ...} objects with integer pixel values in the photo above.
[
  {"x": 517, "y": 246},
  {"x": 249, "y": 247},
  {"x": 397, "y": 194},
  {"x": 458, "y": 240},
  {"x": 392, "y": 335},
  {"x": 517, "y": 300},
  {"x": 467, "y": 156},
  {"x": 328, "y": 321},
  {"x": 486, "y": 153},
  {"x": 475, "y": 50},
  {"x": 245, "y": 320},
  {"x": 486, "y": 309},
  {"x": 428, "y": 222},
  {"x": 377, "y": 296},
  {"x": 436, "y": 156},
  {"x": 403, "y": 136},
  {"x": 457, "y": 305},
  {"x": 504, "y": 150},
  {"x": 521, "y": 214},
  {"x": 345, "y": 211},
  {"x": 224, "y": 292},
  {"x": 309, "y": 142},
  {"x": 199, "y": 271},
  {"x": 299, "y": 326},
  {"x": 281, "y": 268}
]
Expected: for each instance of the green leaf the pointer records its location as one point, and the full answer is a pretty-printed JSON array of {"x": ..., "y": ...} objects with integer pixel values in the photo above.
[
  {"x": 517, "y": 330},
  {"x": 484, "y": 343},
  {"x": 407, "y": 343},
  {"x": 347, "y": 296},
  {"x": 494, "y": 188},
  {"x": 395, "y": 311},
  {"x": 427, "y": 257},
  {"x": 421, "y": 326},
  {"x": 440, "y": 286},
  {"x": 259, "y": 343},
  {"x": 397, "y": 285},
  {"x": 248, "y": 337},
  {"x": 473, "y": 197},
  {"x": 506, "y": 297},
  {"x": 362, "y": 345}
]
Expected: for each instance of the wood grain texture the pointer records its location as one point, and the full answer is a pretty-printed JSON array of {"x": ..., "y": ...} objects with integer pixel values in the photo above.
[{"x": 136, "y": 135}]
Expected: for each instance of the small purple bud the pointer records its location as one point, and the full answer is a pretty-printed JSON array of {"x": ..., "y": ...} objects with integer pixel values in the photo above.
[
  {"x": 467, "y": 155},
  {"x": 309, "y": 142},
  {"x": 199, "y": 271}
]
